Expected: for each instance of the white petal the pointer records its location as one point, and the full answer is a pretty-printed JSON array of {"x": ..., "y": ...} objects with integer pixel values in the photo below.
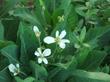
[
  {"x": 63, "y": 34},
  {"x": 15, "y": 74},
  {"x": 65, "y": 41},
  {"x": 49, "y": 40},
  {"x": 36, "y": 53},
  {"x": 39, "y": 60},
  {"x": 17, "y": 65},
  {"x": 39, "y": 51},
  {"x": 57, "y": 33},
  {"x": 35, "y": 29},
  {"x": 12, "y": 68},
  {"x": 62, "y": 45},
  {"x": 45, "y": 60},
  {"x": 47, "y": 52}
]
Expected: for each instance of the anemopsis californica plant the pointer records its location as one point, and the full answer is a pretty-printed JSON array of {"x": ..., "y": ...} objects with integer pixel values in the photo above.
[
  {"x": 58, "y": 39},
  {"x": 36, "y": 31},
  {"x": 41, "y": 55},
  {"x": 15, "y": 69}
]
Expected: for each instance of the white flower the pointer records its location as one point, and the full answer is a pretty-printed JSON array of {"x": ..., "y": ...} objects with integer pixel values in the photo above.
[
  {"x": 59, "y": 39},
  {"x": 41, "y": 55},
  {"x": 15, "y": 69},
  {"x": 36, "y": 30}
]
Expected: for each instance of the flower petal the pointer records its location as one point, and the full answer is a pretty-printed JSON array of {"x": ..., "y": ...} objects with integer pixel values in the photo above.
[
  {"x": 47, "y": 52},
  {"x": 35, "y": 29},
  {"x": 63, "y": 34},
  {"x": 49, "y": 40},
  {"x": 12, "y": 68},
  {"x": 39, "y": 60},
  {"x": 57, "y": 33},
  {"x": 17, "y": 65},
  {"x": 65, "y": 41},
  {"x": 36, "y": 53},
  {"x": 15, "y": 74},
  {"x": 45, "y": 60},
  {"x": 39, "y": 51},
  {"x": 62, "y": 45}
]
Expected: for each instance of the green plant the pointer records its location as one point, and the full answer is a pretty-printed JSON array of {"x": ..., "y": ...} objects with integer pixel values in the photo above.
[{"x": 55, "y": 41}]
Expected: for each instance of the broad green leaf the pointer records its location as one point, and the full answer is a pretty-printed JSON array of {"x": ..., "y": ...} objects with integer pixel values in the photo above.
[
  {"x": 94, "y": 60},
  {"x": 96, "y": 32},
  {"x": 1, "y": 31},
  {"x": 28, "y": 42},
  {"x": 10, "y": 52},
  {"x": 84, "y": 76},
  {"x": 5, "y": 43},
  {"x": 4, "y": 59},
  {"x": 81, "y": 76},
  {"x": 26, "y": 15},
  {"x": 82, "y": 55},
  {"x": 40, "y": 71},
  {"x": 5, "y": 76}
]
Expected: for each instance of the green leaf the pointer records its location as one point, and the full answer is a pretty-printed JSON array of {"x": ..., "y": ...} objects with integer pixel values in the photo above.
[
  {"x": 5, "y": 76},
  {"x": 26, "y": 15},
  {"x": 79, "y": 10},
  {"x": 28, "y": 42},
  {"x": 82, "y": 55},
  {"x": 106, "y": 69},
  {"x": 5, "y": 43},
  {"x": 39, "y": 71},
  {"x": 72, "y": 18},
  {"x": 72, "y": 64},
  {"x": 8, "y": 6},
  {"x": 18, "y": 79},
  {"x": 10, "y": 52},
  {"x": 40, "y": 13},
  {"x": 96, "y": 32},
  {"x": 94, "y": 60},
  {"x": 81, "y": 76},
  {"x": 82, "y": 34},
  {"x": 28, "y": 79},
  {"x": 84, "y": 76},
  {"x": 67, "y": 3},
  {"x": 1, "y": 31}
]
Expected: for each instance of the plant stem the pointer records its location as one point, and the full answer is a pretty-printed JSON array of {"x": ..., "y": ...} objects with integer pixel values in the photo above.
[{"x": 39, "y": 41}]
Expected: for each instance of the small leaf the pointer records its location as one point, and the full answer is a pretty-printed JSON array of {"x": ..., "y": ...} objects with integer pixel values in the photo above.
[
  {"x": 83, "y": 34},
  {"x": 28, "y": 79}
]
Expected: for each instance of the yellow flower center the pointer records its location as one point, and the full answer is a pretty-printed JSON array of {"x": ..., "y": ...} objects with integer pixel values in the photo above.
[
  {"x": 57, "y": 39},
  {"x": 37, "y": 34}
]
